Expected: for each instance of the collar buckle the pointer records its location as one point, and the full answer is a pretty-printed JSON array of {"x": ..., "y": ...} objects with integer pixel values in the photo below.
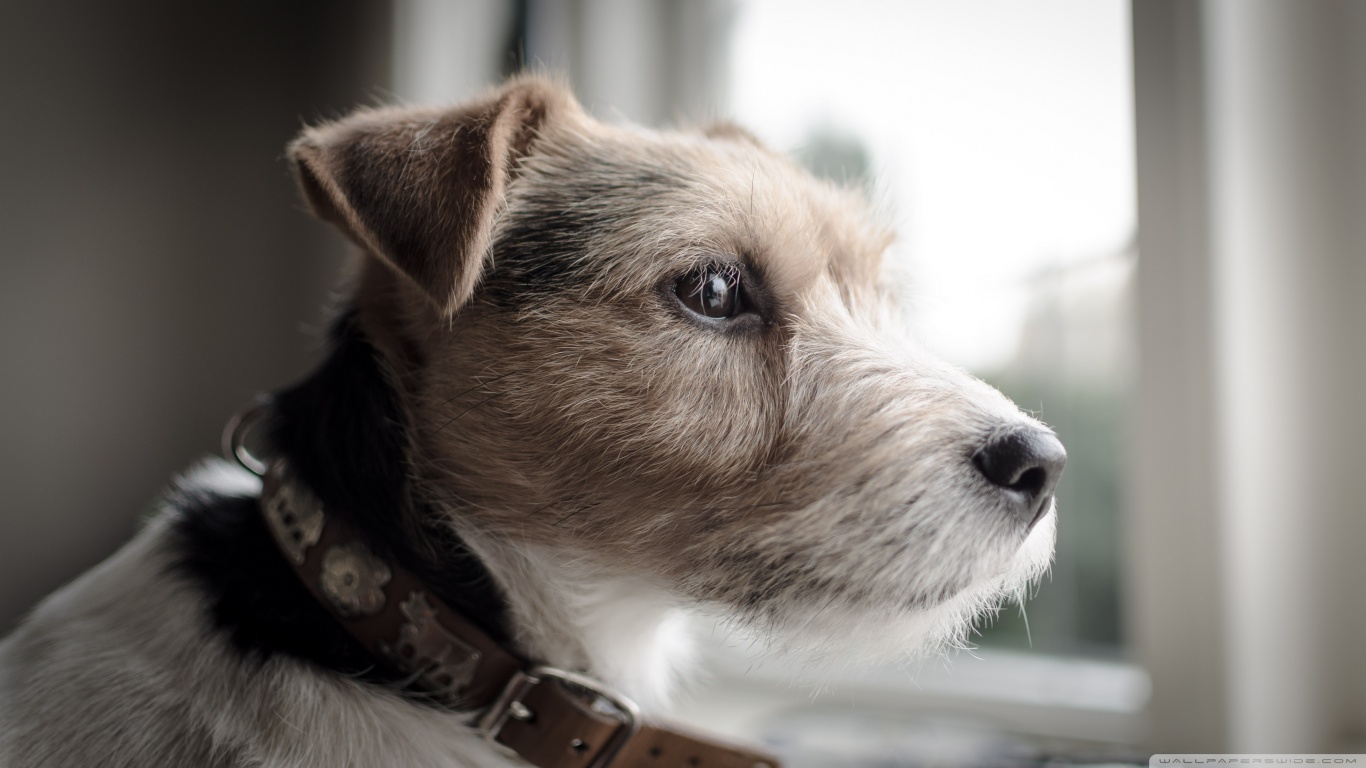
[{"x": 510, "y": 705}]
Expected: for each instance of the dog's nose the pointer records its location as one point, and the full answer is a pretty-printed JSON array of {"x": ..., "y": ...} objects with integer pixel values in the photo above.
[{"x": 1026, "y": 463}]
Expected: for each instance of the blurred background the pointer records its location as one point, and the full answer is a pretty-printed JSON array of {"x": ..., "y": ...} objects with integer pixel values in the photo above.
[{"x": 1145, "y": 224}]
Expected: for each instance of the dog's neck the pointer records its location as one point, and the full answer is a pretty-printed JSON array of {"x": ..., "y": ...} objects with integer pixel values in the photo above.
[
  {"x": 569, "y": 610},
  {"x": 342, "y": 429}
]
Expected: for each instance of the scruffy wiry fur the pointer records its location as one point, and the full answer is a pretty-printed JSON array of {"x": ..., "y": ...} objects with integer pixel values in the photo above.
[{"x": 614, "y": 461}]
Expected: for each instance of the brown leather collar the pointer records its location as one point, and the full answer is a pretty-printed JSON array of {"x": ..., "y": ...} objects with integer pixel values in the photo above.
[{"x": 550, "y": 718}]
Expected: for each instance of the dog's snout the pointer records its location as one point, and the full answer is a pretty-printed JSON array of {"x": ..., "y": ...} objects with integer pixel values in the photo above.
[{"x": 1025, "y": 462}]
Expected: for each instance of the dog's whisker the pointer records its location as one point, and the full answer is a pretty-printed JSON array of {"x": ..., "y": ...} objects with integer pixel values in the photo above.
[
  {"x": 465, "y": 412},
  {"x": 544, "y": 507},
  {"x": 743, "y": 508},
  {"x": 573, "y": 512},
  {"x": 280, "y": 716},
  {"x": 481, "y": 383}
]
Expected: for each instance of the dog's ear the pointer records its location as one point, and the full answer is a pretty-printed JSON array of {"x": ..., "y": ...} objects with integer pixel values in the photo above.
[
  {"x": 729, "y": 131},
  {"x": 422, "y": 188}
]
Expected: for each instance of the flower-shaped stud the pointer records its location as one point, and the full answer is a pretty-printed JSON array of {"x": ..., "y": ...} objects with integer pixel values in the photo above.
[{"x": 353, "y": 579}]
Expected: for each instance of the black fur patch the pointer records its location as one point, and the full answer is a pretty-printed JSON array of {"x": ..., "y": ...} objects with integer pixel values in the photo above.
[
  {"x": 546, "y": 245},
  {"x": 255, "y": 596},
  {"x": 344, "y": 434}
]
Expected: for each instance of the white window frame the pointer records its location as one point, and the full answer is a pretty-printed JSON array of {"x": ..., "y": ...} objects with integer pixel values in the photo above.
[{"x": 1246, "y": 521}]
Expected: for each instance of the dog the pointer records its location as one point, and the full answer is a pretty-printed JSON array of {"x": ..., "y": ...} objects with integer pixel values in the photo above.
[{"x": 591, "y": 380}]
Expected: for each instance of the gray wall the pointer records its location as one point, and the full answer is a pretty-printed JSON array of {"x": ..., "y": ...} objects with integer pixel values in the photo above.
[{"x": 156, "y": 267}]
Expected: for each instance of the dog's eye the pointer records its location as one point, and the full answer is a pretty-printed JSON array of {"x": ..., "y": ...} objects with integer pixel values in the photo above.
[{"x": 712, "y": 292}]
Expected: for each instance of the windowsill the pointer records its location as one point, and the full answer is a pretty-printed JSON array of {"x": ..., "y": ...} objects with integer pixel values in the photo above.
[{"x": 1026, "y": 694}]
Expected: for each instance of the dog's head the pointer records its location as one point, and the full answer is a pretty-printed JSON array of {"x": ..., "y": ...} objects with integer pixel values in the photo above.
[{"x": 676, "y": 353}]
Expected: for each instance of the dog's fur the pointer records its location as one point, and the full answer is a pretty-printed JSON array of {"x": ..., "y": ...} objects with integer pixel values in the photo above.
[{"x": 520, "y": 410}]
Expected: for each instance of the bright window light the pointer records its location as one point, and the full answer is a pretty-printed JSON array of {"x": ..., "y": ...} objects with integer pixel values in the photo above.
[{"x": 999, "y": 134}]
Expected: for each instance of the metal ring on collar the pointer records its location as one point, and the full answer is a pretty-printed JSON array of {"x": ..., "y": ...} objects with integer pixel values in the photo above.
[{"x": 235, "y": 434}]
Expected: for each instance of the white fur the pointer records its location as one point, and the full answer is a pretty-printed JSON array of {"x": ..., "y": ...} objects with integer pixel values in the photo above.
[{"x": 571, "y": 611}]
